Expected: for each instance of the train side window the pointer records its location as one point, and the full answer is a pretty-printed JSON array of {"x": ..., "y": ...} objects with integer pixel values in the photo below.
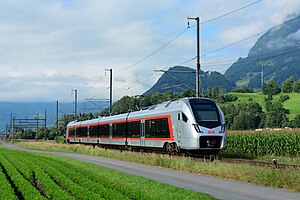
[
  {"x": 184, "y": 118},
  {"x": 129, "y": 129},
  {"x": 147, "y": 128},
  {"x": 150, "y": 128},
  {"x": 178, "y": 116},
  {"x": 136, "y": 129},
  {"x": 71, "y": 132},
  {"x": 78, "y": 132},
  {"x": 84, "y": 131},
  {"x": 165, "y": 128},
  {"x": 158, "y": 126},
  {"x": 93, "y": 130},
  {"x": 119, "y": 130},
  {"x": 81, "y": 132},
  {"x": 104, "y": 130}
]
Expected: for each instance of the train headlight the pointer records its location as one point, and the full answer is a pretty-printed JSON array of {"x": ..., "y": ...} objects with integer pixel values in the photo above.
[
  {"x": 223, "y": 128},
  {"x": 197, "y": 128}
]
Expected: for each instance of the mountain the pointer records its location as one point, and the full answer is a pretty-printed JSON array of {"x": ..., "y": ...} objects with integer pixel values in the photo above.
[
  {"x": 30, "y": 110},
  {"x": 276, "y": 53},
  {"x": 179, "y": 78}
]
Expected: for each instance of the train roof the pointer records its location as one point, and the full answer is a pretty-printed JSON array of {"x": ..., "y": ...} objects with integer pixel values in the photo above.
[{"x": 158, "y": 109}]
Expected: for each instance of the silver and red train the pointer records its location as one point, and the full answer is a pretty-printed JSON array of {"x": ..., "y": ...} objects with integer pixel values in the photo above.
[{"x": 189, "y": 125}]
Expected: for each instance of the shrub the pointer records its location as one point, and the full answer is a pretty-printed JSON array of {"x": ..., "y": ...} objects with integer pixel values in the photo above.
[{"x": 283, "y": 98}]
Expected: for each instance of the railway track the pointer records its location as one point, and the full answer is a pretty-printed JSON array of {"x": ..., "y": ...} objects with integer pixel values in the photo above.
[
  {"x": 211, "y": 158},
  {"x": 273, "y": 164}
]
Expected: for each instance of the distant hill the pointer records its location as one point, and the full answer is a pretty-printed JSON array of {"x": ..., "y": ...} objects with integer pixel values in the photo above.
[
  {"x": 276, "y": 53},
  {"x": 179, "y": 78},
  {"x": 292, "y": 104},
  {"x": 30, "y": 110}
]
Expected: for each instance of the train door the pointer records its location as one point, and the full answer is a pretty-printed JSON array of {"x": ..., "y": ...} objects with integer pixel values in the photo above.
[
  {"x": 142, "y": 127},
  {"x": 110, "y": 133},
  {"x": 185, "y": 131},
  {"x": 179, "y": 127}
]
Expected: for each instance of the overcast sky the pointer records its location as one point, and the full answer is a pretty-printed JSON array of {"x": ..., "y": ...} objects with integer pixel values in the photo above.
[{"x": 49, "y": 47}]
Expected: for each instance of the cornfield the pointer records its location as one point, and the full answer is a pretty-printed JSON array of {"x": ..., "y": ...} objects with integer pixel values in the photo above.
[{"x": 260, "y": 143}]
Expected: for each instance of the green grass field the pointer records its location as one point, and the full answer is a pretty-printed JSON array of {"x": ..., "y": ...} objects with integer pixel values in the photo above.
[
  {"x": 30, "y": 176},
  {"x": 279, "y": 178},
  {"x": 292, "y": 104}
]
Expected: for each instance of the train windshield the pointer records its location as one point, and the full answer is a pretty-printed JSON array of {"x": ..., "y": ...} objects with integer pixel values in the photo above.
[{"x": 205, "y": 112}]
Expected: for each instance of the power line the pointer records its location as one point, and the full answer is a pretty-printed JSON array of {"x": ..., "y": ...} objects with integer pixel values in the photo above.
[
  {"x": 222, "y": 62},
  {"x": 183, "y": 31},
  {"x": 154, "y": 52},
  {"x": 68, "y": 97},
  {"x": 135, "y": 83},
  {"x": 84, "y": 90},
  {"x": 173, "y": 39},
  {"x": 180, "y": 82},
  {"x": 263, "y": 57},
  {"x": 231, "y": 12},
  {"x": 242, "y": 40}
]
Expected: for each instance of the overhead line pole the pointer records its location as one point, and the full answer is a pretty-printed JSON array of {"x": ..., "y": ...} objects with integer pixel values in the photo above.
[
  {"x": 75, "y": 104},
  {"x": 110, "y": 91},
  {"x": 198, "y": 57},
  {"x": 56, "y": 120}
]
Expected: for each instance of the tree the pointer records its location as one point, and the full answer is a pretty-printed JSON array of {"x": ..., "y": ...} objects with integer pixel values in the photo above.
[
  {"x": 244, "y": 121},
  {"x": 30, "y": 134},
  {"x": 287, "y": 85},
  {"x": 169, "y": 95},
  {"x": 188, "y": 93},
  {"x": 214, "y": 92},
  {"x": 283, "y": 98},
  {"x": 229, "y": 111},
  {"x": 156, "y": 98},
  {"x": 296, "y": 122},
  {"x": 85, "y": 116},
  {"x": 124, "y": 105},
  {"x": 297, "y": 86},
  {"x": 270, "y": 88},
  {"x": 276, "y": 115},
  {"x": 145, "y": 102},
  {"x": 248, "y": 116},
  {"x": 102, "y": 113},
  {"x": 42, "y": 133},
  {"x": 244, "y": 90},
  {"x": 226, "y": 98},
  {"x": 268, "y": 101}
]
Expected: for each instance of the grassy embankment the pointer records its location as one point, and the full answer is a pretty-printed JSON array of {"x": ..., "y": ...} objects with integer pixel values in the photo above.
[
  {"x": 29, "y": 176},
  {"x": 291, "y": 104},
  {"x": 279, "y": 178}
]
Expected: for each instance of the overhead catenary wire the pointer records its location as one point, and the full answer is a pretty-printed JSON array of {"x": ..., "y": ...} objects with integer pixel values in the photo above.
[
  {"x": 183, "y": 31},
  {"x": 231, "y": 12},
  {"x": 173, "y": 39},
  {"x": 239, "y": 41},
  {"x": 180, "y": 33},
  {"x": 154, "y": 52},
  {"x": 180, "y": 82},
  {"x": 242, "y": 40}
]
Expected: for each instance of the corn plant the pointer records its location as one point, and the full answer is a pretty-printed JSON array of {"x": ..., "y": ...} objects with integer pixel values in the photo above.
[{"x": 252, "y": 144}]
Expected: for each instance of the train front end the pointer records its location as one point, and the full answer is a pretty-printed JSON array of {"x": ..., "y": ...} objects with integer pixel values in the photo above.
[{"x": 207, "y": 134}]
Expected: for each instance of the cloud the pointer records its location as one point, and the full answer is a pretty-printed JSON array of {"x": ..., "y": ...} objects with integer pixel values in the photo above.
[
  {"x": 49, "y": 48},
  {"x": 294, "y": 36}
]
